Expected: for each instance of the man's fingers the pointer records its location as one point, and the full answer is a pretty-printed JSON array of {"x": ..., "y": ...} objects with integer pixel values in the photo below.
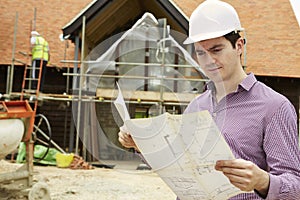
[
  {"x": 233, "y": 171},
  {"x": 126, "y": 140},
  {"x": 244, "y": 174},
  {"x": 236, "y": 163}
]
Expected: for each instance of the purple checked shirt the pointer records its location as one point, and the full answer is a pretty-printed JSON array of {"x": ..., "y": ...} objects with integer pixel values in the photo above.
[{"x": 259, "y": 125}]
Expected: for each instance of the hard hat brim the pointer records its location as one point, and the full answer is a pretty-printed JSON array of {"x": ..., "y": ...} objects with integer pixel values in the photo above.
[
  {"x": 34, "y": 33},
  {"x": 208, "y": 36}
]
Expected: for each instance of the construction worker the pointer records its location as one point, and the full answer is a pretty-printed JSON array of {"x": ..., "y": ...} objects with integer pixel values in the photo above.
[
  {"x": 40, "y": 53},
  {"x": 259, "y": 124}
]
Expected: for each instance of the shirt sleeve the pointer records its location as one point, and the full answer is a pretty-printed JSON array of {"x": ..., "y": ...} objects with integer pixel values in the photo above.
[
  {"x": 32, "y": 40},
  {"x": 282, "y": 154}
]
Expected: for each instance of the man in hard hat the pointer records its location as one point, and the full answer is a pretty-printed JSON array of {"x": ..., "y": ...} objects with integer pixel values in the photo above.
[
  {"x": 40, "y": 57},
  {"x": 259, "y": 124}
]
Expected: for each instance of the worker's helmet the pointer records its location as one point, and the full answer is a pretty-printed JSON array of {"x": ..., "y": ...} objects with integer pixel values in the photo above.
[
  {"x": 212, "y": 19},
  {"x": 34, "y": 33}
]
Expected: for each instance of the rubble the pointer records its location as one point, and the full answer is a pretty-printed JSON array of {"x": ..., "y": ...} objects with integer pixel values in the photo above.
[{"x": 79, "y": 163}]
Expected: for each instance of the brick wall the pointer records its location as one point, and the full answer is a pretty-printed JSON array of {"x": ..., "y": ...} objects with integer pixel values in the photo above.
[
  {"x": 51, "y": 16},
  {"x": 273, "y": 35}
]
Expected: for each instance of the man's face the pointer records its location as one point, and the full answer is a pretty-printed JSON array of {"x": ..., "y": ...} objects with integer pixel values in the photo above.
[{"x": 218, "y": 58}]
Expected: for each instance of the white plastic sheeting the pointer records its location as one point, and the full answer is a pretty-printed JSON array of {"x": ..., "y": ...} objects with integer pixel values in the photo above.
[
  {"x": 296, "y": 7},
  {"x": 146, "y": 50},
  {"x": 145, "y": 39}
]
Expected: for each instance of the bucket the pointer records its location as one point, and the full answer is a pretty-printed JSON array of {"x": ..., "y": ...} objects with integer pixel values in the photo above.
[{"x": 64, "y": 160}]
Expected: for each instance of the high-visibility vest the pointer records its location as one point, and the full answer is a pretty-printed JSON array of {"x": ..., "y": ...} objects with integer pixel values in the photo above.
[{"x": 40, "y": 49}]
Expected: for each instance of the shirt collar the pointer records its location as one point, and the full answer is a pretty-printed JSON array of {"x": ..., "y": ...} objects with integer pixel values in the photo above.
[{"x": 246, "y": 84}]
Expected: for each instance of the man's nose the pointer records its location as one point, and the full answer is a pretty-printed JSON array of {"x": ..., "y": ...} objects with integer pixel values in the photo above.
[{"x": 208, "y": 59}]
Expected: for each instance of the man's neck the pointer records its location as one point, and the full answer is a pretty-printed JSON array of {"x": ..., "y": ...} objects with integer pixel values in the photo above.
[{"x": 228, "y": 86}]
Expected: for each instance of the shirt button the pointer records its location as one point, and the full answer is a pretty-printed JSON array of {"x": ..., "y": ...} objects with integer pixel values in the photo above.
[{"x": 214, "y": 114}]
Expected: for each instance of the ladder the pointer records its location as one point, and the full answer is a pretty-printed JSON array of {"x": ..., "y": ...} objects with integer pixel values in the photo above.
[
  {"x": 31, "y": 83},
  {"x": 32, "y": 80}
]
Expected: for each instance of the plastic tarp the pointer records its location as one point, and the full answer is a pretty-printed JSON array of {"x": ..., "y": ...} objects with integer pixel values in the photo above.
[
  {"x": 38, "y": 154},
  {"x": 148, "y": 49}
]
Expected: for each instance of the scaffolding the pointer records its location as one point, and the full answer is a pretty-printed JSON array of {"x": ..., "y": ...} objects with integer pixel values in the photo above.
[
  {"x": 89, "y": 79},
  {"x": 160, "y": 98}
]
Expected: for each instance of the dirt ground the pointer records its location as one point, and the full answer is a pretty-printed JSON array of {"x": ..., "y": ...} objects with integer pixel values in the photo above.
[{"x": 95, "y": 184}]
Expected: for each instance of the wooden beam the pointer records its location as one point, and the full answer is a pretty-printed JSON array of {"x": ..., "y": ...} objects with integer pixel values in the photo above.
[{"x": 146, "y": 95}]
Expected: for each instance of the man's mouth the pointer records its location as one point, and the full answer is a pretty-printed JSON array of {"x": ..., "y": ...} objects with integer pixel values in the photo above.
[{"x": 213, "y": 69}]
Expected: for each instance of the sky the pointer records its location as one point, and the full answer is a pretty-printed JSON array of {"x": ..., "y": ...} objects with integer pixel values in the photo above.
[{"x": 296, "y": 7}]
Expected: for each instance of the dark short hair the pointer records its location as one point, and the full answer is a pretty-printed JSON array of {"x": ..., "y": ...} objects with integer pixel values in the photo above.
[{"x": 232, "y": 37}]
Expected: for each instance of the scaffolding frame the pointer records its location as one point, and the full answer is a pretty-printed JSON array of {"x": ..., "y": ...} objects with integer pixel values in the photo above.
[
  {"x": 163, "y": 65},
  {"x": 80, "y": 98}
]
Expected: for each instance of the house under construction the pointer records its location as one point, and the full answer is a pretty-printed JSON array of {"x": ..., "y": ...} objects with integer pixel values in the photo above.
[{"x": 139, "y": 45}]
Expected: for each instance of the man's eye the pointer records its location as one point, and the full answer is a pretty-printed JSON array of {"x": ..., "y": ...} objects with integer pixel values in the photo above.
[
  {"x": 200, "y": 53},
  {"x": 216, "y": 50}
]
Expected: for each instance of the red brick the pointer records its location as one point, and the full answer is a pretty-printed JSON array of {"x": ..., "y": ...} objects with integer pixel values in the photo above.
[{"x": 51, "y": 16}]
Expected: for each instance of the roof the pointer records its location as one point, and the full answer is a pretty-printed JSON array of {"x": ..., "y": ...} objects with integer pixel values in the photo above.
[{"x": 115, "y": 16}]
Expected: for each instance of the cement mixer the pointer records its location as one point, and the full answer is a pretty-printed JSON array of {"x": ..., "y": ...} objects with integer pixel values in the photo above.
[
  {"x": 16, "y": 125},
  {"x": 11, "y": 134}
]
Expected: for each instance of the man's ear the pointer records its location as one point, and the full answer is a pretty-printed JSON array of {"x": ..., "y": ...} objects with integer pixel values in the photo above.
[{"x": 240, "y": 45}]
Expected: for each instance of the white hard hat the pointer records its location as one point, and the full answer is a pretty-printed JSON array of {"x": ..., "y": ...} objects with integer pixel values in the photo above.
[
  {"x": 212, "y": 19},
  {"x": 34, "y": 33}
]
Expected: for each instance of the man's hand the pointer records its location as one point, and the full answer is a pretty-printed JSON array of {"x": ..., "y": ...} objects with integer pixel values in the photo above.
[
  {"x": 245, "y": 175},
  {"x": 126, "y": 140}
]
